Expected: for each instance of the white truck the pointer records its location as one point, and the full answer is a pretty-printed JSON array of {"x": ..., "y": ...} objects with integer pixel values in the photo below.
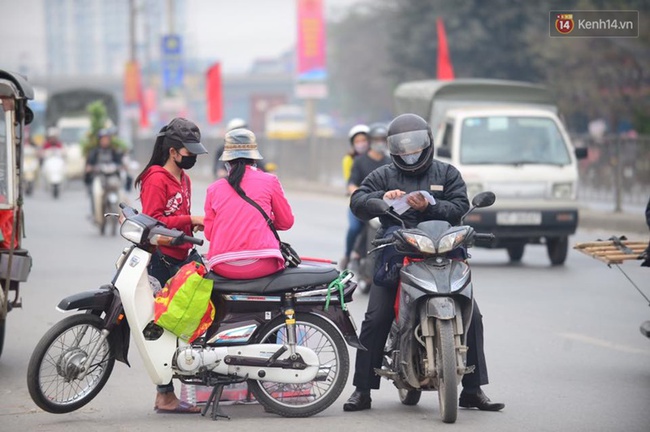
[
  {"x": 72, "y": 131},
  {"x": 506, "y": 137}
]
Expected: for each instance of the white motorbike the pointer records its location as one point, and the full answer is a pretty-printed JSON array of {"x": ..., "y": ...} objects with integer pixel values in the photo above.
[
  {"x": 54, "y": 170},
  {"x": 272, "y": 332}
]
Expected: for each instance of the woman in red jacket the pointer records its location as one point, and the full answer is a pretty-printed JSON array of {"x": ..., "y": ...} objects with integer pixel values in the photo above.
[{"x": 166, "y": 195}]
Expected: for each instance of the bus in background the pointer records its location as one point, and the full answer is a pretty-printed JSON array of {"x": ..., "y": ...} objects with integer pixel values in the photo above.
[
  {"x": 286, "y": 122},
  {"x": 289, "y": 122}
]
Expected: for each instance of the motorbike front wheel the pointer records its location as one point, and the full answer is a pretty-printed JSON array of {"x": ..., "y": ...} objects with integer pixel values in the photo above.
[
  {"x": 54, "y": 375},
  {"x": 307, "y": 399},
  {"x": 447, "y": 375}
]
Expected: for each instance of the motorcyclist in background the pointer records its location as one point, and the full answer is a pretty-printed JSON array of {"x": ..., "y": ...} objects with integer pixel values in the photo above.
[
  {"x": 359, "y": 143},
  {"x": 52, "y": 140},
  {"x": 104, "y": 153},
  {"x": 364, "y": 164}
]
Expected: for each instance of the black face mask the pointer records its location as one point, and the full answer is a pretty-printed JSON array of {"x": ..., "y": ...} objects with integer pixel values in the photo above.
[{"x": 186, "y": 162}]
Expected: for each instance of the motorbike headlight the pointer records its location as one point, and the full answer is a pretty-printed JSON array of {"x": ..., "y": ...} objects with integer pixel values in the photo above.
[
  {"x": 562, "y": 190},
  {"x": 132, "y": 231},
  {"x": 451, "y": 241},
  {"x": 420, "y": 242}
]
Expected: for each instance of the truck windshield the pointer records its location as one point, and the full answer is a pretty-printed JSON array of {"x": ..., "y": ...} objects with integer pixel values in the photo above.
[
  {"x": 73, "y": 135},
  {"x": 512, "y": 141}
]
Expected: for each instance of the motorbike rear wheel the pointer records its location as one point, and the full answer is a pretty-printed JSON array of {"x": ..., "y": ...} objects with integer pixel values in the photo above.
[
  {"x": 447, "y": 375},
  {"x": 409, "y": 397},
  {"x": 54, "y": 368},
  {"x": 307, "y": 399}
]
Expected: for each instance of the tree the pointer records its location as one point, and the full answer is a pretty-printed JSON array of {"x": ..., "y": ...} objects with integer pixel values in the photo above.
[
  {"x": 591, "y": 77},
  {"x": 98, "y": 121}
]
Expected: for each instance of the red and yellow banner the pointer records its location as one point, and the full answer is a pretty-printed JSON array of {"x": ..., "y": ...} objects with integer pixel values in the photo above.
[{"x": 311, "y": 41}]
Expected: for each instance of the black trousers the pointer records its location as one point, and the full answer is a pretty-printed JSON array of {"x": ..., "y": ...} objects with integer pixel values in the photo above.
[{"x": 374, "y": 332}]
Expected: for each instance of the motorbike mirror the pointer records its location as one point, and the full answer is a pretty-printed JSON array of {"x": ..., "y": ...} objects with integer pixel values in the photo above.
[
  {"x": 377, "y": 206},
  {"x": 484, "y": 199}
]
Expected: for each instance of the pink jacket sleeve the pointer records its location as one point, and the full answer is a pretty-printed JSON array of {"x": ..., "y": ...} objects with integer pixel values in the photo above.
[{"x": 282, "y": 215}]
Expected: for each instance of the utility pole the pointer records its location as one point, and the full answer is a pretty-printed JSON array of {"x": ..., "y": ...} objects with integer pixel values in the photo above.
[
  {"x": 170, "y": 16},
  {"x": 132, "y": 57}
]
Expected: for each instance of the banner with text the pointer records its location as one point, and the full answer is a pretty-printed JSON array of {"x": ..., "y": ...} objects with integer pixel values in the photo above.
[{"x": 311, "y": 68}]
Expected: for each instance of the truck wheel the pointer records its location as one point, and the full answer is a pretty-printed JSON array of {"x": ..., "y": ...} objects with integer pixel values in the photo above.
[
  {"x": 557, "y": 248},
  {"x": 515, "y": 252}
]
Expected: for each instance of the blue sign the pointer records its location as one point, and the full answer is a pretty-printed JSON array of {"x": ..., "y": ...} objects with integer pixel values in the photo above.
[{"x": 172, "y": 63}]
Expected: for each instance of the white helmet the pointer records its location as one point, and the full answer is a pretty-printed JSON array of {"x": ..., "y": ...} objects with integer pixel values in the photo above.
[
  {"x": 236, "y": 123},
  {"x": 356, "y": 130}
]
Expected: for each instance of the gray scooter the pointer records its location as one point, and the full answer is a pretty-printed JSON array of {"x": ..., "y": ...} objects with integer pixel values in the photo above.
[{"x": 426, "y": 348}]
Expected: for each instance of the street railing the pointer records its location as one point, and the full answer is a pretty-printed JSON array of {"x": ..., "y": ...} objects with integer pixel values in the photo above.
[
  {"x": 616, "y": 170},
  {"x": 615, "y": 173}
]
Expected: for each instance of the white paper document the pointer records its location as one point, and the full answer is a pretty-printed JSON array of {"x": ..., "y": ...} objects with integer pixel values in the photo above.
[{"x": 400, "y": 205}]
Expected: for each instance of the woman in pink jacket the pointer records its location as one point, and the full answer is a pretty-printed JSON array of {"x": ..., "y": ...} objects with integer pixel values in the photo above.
[{"x": 242, "y": 245}]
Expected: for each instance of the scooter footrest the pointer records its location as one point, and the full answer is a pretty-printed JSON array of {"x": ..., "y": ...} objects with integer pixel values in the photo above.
[{"x": 387, "y": 374}]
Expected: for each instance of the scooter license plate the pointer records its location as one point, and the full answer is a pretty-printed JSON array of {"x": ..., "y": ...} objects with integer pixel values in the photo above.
[{"x": 519, "y": 218}]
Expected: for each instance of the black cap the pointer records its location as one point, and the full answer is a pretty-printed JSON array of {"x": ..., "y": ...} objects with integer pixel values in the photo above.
[{"x": 185, "y": 132}]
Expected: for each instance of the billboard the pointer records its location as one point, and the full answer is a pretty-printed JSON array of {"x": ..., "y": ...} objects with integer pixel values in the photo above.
[{"x": 311, "y": 65}]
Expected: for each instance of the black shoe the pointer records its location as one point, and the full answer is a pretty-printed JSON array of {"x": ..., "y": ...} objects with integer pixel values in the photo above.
[
  {"x": 357, "y": 402},
  {"x": 480, "y": 401}
]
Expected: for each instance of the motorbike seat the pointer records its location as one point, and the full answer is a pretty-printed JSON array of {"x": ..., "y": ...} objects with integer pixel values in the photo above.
[{"x": 303, "y": 276}]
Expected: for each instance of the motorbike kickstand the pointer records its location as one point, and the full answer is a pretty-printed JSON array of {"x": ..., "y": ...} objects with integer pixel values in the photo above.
[{"x": 213, "y": 400}]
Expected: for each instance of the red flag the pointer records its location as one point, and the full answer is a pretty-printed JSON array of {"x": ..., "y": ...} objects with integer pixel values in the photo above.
[
  {"x": 445, "y": 69},
  {"x": 214, "y": 94}
]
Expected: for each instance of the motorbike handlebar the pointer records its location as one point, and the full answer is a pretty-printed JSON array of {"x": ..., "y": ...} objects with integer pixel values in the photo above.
[
  {"x": 192, "y": 240},
  {"x": 382, "y": 241},
  {"x": 483, "y": 238}
]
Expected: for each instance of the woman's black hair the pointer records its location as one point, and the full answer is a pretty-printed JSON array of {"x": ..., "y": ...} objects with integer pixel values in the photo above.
[
  {"x": 237, "y": 170},
  {"x": 160, "y": 153}
]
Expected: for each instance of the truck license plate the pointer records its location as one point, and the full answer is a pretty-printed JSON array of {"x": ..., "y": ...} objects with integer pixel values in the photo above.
[{"x": 519, "y": 218}]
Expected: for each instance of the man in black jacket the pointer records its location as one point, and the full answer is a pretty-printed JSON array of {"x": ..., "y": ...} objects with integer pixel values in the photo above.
[{"x": 413, "y": 169}]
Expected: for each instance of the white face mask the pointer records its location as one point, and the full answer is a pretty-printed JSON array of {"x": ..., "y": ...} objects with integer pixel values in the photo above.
[
  {"x": 361, "y": 147},
  {"x": 411, "y": 158}
]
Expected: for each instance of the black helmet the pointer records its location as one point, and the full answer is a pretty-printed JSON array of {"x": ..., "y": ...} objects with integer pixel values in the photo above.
[
  {"x": 409, "y": 136},
  {"x": 378, "y": 130}
]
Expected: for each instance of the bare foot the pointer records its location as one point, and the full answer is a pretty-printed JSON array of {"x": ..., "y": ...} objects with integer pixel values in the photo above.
[{"x": 169, "y": 403}]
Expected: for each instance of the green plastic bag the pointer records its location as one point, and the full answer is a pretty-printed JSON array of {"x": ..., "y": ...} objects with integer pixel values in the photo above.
[{"x": 183, "y": 306}]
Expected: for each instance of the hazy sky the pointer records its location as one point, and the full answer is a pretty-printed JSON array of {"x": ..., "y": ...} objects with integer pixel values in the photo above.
[{"x": 232, "y": 31}]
